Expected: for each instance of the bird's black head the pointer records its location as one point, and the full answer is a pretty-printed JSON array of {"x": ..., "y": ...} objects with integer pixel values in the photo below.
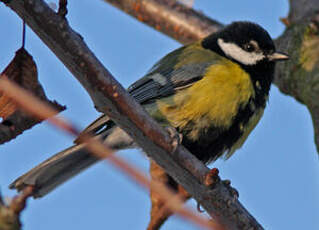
[
  {"x": 249, "y": 45},
  {"x": 245, "y": 43}
]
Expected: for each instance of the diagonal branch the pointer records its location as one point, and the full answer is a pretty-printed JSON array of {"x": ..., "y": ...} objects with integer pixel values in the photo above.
[{"x": 111, "y": 98}]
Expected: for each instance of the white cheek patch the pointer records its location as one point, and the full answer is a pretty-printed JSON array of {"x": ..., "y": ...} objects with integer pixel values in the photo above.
[{"x": 234, "y": 51}]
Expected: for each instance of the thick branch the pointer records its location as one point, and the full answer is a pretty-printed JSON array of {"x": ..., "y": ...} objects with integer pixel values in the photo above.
[
  {"x": 111, "y": 98},
  {"x": 171, "y": 18},
  {"x": 300, "y": 76}
]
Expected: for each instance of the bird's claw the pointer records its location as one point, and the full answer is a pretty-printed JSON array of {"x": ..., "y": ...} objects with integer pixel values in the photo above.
[{"x": 175, "y": 136}]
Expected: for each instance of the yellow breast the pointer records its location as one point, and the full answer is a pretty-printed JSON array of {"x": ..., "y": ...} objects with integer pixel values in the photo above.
[{"x": 213, "y": 100}]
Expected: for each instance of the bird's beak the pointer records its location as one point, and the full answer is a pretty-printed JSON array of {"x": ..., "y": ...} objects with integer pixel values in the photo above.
[{"x": 278, "y": 56}]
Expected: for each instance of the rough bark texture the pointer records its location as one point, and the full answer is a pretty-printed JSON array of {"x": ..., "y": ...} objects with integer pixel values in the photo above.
[{"x": 299, "y": 77}]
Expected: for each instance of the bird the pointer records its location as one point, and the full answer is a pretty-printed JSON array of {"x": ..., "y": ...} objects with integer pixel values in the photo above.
[{"x": 213, "y": 92}]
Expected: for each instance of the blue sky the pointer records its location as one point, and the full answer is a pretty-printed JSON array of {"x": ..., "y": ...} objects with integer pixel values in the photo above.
[{"x": 276, "y": 172}]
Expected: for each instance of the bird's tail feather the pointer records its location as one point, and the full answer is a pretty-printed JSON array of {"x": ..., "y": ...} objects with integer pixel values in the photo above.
[
  {"x": 56, "y": 170},
  {"x": 64, "y": 165}
]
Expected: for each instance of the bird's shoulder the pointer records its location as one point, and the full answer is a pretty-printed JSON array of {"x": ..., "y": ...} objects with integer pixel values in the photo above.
[{"x": 178, "y": 69}]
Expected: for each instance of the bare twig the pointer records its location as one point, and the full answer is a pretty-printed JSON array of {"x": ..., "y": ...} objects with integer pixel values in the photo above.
[{"x": 111, "y": 98}]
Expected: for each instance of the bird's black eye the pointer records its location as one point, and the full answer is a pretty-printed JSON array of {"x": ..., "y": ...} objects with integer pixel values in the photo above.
[{"x": 249, "y": 47}]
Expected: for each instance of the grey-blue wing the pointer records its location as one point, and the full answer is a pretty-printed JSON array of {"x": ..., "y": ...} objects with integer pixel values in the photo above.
[{"x": 167, "y": 76}]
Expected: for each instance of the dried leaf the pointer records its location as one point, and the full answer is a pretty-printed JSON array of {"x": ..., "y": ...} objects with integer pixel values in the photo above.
[{"x": 23, "y": 71}]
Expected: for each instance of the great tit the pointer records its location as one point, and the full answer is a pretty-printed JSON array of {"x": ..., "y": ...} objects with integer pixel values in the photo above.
[{"x": 213, "y": 92}]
